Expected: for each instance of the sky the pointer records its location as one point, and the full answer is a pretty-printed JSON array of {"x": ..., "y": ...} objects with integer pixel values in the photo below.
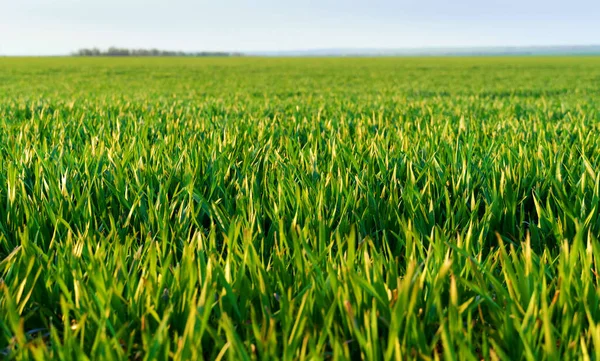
[{"x": 55, "y": 27}]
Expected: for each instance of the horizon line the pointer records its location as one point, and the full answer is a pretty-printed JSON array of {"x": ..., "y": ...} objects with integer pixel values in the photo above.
[{"x": 480, "y": 50}]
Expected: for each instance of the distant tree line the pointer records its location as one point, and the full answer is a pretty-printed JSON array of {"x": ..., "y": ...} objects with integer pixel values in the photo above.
[{"x": 113, "y": 51}]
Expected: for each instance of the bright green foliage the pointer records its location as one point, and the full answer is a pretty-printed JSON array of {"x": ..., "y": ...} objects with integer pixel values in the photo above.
[{"x": 300, "y": 209}]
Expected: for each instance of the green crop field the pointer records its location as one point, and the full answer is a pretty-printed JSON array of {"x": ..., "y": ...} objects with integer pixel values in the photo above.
[{"x": 300, "y": 209}]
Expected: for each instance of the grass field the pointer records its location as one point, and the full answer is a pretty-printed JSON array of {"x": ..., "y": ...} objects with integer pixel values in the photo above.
[{"x": 300, "y": 209}]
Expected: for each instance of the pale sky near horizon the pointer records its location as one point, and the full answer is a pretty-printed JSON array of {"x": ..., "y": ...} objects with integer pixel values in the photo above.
[{"x": 54, "y": 27}]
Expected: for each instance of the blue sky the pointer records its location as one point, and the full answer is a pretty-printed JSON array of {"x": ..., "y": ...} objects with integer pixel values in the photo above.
[{"x": 47, "y": 27}]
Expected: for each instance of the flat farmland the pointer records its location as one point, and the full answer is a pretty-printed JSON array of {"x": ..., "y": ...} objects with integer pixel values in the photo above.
[{"x": 300, "y": 208}]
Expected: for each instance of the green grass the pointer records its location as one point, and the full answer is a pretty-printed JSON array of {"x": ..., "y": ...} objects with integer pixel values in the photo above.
[{"x": 300, "y": 209}]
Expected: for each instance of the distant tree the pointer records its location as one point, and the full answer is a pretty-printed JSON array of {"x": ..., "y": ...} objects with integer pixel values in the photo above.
[{"x": 114, "y": 51}]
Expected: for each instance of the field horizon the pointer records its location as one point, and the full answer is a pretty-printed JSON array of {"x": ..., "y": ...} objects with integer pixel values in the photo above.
[{"x": 431, "y": 51}]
